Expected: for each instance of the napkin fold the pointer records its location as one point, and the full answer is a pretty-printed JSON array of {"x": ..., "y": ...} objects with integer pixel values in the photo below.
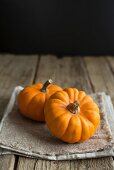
[{"x": 22, "y": 136}]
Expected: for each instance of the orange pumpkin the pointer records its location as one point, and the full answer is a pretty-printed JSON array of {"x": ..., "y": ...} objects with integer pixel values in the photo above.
[
  {"x": 71, "y": 115},
  {"x": 31, "y": 99}
]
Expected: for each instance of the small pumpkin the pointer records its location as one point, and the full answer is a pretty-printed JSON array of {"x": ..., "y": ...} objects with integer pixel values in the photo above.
[
  {"x": 71, "y": 115},
  {"x": 31, "y": 99}
]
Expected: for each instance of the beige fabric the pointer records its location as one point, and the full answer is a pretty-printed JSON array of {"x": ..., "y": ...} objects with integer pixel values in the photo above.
[{"x": 30, "y": 138}]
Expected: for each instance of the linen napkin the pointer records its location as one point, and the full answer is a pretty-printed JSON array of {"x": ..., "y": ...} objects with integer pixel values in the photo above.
[{"x": 25, "y": 137}]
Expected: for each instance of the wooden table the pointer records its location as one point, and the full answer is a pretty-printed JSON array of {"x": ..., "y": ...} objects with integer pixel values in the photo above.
[{"x": 91, "y": 74}]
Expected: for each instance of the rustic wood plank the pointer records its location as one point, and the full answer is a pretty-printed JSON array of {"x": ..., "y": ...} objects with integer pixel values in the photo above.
[
  {"x": 67, "y": 72},
  {"x": 64, "y": 165},
  {"x": 32, "y": 164},
  {"x": 87, "y": 164},
  {"x": 42, "y": 164},
  {"x": 7, "y": 162},
  {"x": 110, "y": 61},
  {"x": 26, "y": 164},
  {"x": 100, "y": 75},
  {"x": 96, "y": 164},
  {"x": 35, "y": 164},
  {"x": 14, "y": 70},
  {"x": 52, "y": 165}
]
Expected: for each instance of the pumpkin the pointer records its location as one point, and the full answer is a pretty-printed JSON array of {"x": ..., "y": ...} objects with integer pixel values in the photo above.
[
  {"x": 71, "y": 115},
  {"x": 31, "y": 99}
]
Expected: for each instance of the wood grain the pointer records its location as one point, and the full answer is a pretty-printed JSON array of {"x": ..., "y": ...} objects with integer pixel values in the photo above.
[
  {"x": 66, "y": 72},
  {"x": 52, "y": 165},
  {"x": 88, "y": 164},
  {"x": 14, "y": 70},
  {"x": 110, "y": 61},
  {"x": 7, "y": 162},
  {"x": 26, "y": 164},
  {"x": 35, "y": 164},
  {"x": 100, "y": 75},
  {"x": 93, "y": 164}
]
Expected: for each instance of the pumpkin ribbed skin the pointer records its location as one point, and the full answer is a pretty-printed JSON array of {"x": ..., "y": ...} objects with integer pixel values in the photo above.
[
  {"x": 67, "y": 126},
  {"x": 31, "y": 100}
]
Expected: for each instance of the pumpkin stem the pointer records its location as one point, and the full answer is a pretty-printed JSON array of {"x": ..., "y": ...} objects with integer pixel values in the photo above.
[
  {"x": 74, "y": 107},
  {"x": 45, "y": 85}
]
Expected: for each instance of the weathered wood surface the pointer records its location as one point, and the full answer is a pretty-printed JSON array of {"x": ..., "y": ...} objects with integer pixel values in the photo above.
[
  {"x": 100, "y": 74},
  {"x": 66, "y": 71},
  {"x": 7, "y": 162},
  {"x": 93, "y": 164},
  {"x": 14, "y": 70},
  {"x": 87, "y": 164},
  {"x": 81, "y": 72}
]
